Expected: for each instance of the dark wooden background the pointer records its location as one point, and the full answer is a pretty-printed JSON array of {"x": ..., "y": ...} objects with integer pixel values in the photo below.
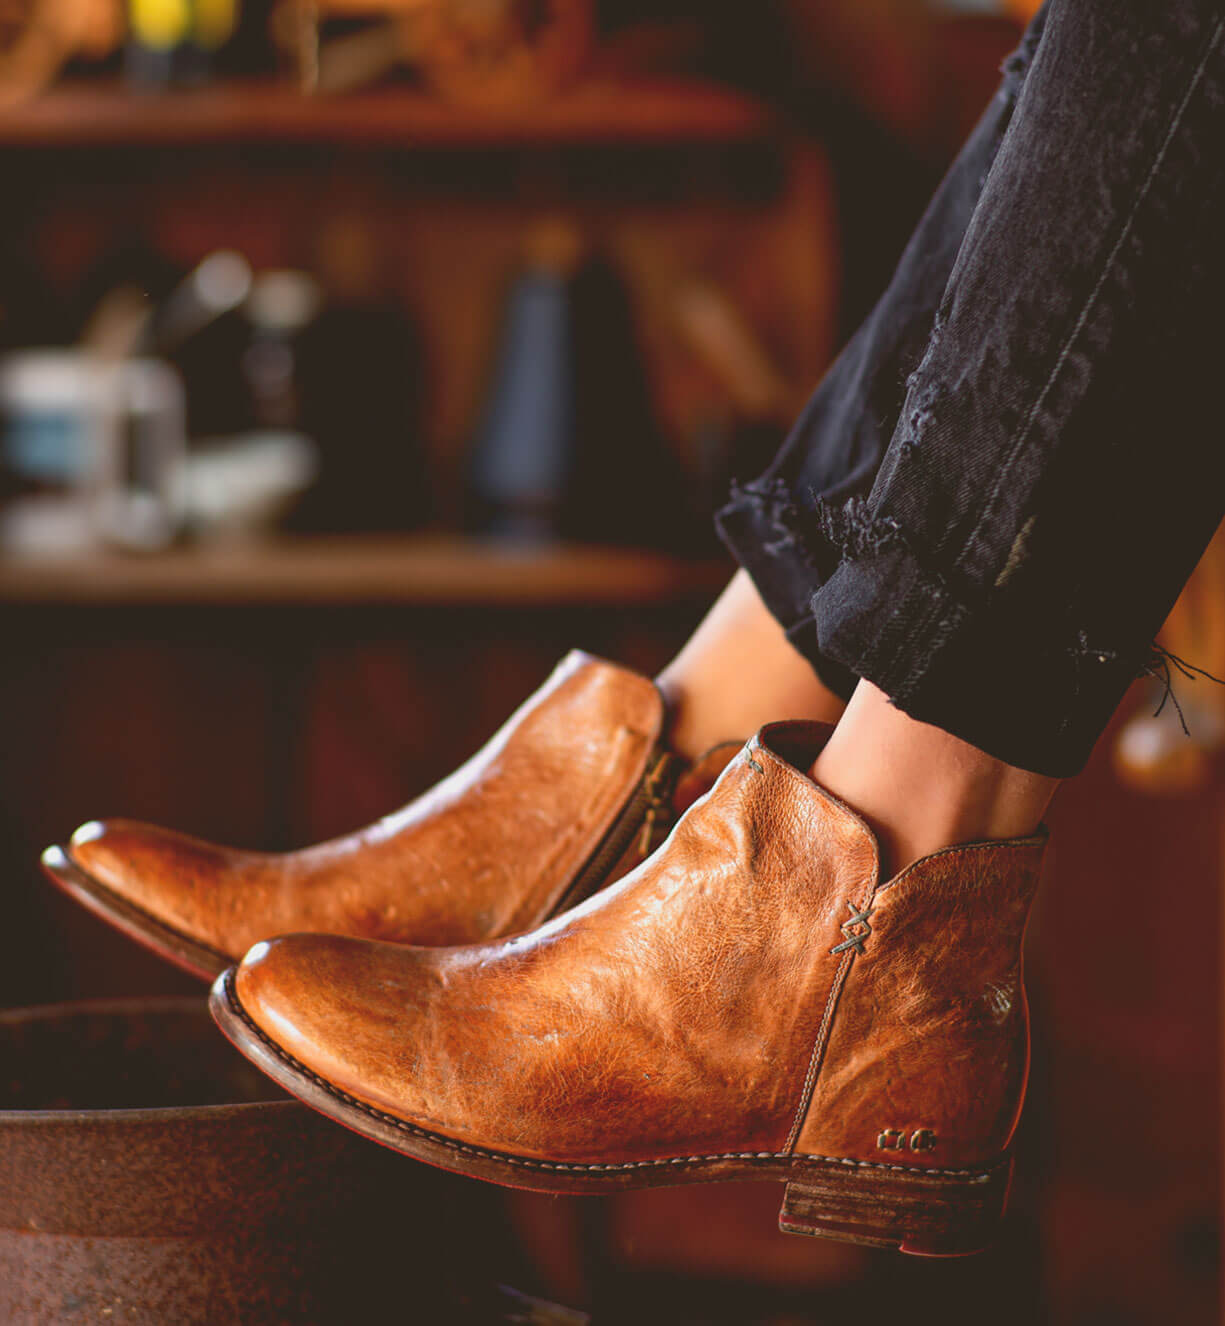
[{"x": 275, "y": 715}]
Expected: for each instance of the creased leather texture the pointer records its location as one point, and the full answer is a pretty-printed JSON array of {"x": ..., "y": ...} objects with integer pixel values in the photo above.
[
  {"x": 677, "y": 1012},
  {"x": 489, "y": 851},
  {"x": 932, "y": 1028}
]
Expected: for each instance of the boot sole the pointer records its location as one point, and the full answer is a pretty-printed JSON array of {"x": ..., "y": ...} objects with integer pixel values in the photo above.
[
  {"x": 927, "y": 1212},
  {"x": 198, "y": 959}
]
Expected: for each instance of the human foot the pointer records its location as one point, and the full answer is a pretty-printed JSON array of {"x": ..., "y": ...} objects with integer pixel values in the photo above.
[{"x": 754, "y": 1001}]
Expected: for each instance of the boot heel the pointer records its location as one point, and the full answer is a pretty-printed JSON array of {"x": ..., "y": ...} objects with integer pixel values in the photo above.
[{"x": 922, "y": 1212}]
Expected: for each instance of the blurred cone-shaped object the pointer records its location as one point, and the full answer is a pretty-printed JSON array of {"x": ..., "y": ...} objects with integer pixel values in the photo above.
[
  {"x": 568, "y": 445},
  {"x": 521, "y": 462}
]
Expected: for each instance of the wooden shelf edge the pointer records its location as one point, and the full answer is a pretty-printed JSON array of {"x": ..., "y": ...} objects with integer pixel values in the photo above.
[
  {"x": 89, "y": 113},
  {"x": 419, "y": 570}
]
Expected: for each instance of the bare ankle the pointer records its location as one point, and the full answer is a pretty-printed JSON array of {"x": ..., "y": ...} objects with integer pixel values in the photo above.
[
  {"x": 737, "y": 671},
  {"x": 920, "y": 788}
]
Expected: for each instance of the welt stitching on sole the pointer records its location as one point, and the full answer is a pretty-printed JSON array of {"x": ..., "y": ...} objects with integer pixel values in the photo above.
[
  {"x": 974, "y": 1176},
  {"x": 122, "y": 907}
]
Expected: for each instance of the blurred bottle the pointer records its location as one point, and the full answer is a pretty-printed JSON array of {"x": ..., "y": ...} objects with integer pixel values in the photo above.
[
  {"x": 213, "y": 24},
  {"x": 361, "y": 390},
  {"x": 280, "y": 309},
  {"x": 138, "y": 491},
  {"x": 311, "y": 365},
  {"x": 239, "y": 333},
  {"x": 177, "y": 41},
  {"x": 523, "y": 456},
  {"x": 568, "y": 445}
]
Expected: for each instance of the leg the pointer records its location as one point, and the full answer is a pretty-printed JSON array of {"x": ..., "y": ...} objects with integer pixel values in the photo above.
[
  {"x": 1052, "y": 481},
  {"x": 1053, "y": 558},
  {"x": 761, "y": 626},
  {"x": 738, "y": 671},
  {"x": 836, "y": 447},
  {"x": 1002, "y": 579}
]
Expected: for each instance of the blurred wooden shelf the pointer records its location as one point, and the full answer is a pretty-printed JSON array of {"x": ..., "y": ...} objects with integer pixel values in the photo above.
[
  {"x": 422, "y": 570},
  {"x": 99, "y": 113}
]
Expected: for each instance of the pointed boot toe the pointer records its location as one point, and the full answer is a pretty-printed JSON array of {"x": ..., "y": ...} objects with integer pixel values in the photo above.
[
  {"x": 752, "y": 1001},
  {"x": 158, "y": 886},
  {"x": 294, "y": 988},
  {"x": 574, "y": 790}
]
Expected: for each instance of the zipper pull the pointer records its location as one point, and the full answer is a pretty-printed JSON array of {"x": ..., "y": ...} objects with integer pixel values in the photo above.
[
  {"x": 658, "y": 785},
  {"x": 647, "y": 831}
]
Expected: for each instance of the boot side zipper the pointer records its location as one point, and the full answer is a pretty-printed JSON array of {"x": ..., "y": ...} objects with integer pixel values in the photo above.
[{"x": 639, "y": 818}]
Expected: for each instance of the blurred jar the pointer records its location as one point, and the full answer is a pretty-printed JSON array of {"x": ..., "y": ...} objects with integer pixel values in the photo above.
[{"x": 89, "y": 452}]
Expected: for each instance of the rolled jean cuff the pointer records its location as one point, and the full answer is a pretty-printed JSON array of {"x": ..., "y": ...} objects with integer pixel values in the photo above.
[
  {"x": 998, "y": 674},
  {"x": 995, "y": 673}
]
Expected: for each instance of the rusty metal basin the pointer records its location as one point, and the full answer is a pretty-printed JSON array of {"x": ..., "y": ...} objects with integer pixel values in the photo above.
[{"x": 149, "y": 1175}]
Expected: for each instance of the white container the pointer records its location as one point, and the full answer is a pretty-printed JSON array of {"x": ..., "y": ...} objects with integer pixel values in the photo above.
[{"x": 96, "y": 449}]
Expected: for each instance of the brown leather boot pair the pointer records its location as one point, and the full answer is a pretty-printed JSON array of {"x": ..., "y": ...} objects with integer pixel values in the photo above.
[{"x": 751, "y": 1000}]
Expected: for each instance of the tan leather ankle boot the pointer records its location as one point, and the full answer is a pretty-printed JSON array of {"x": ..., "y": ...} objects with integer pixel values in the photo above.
[
  {"x": 752, "y": 1001},
  {"x": 576, "y": 788}
]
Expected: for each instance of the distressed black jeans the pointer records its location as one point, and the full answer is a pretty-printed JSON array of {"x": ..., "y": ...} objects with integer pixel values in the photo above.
[{"x": 993, "y": 498}]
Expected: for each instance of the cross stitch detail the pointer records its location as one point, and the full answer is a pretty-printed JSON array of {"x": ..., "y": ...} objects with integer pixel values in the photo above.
[{"x": 856, "y": 929}]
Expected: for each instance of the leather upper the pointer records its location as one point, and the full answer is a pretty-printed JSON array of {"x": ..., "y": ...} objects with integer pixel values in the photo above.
[
  {"x": 489, "y": 851},
  {"x": 701, "y": 1006},
  {"x": 932, "y": 1029}
]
